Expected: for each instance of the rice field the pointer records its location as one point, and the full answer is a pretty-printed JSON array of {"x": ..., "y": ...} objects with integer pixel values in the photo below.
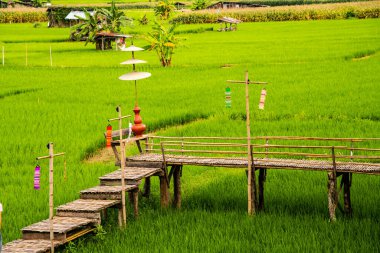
[{"x": 324, "y": 82}]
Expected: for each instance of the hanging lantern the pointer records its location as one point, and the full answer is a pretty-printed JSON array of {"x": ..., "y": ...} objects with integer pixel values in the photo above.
[
  {"x": 262, "y": 99},
  {"x": 37, "y": 173},
  {"x": 109, "y": 136},
  {"x": 228, "y": 97}
]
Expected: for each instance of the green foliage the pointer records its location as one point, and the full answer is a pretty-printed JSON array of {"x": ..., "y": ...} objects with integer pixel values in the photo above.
[
  {"x": 88, "y": 28},
  {"x": 163, "y": 40},
  {"x": 112, "y": 20},
  {"x": 143, "y": 20},
  {"x": 115, "y": 19},
  {"x": 37, "y": 3},
  {"x": 100, "y": 233},
  {"x": 164, "y": 9},
  {"x": 71, "y": 247},
  {"x": 199, "y": 4}
]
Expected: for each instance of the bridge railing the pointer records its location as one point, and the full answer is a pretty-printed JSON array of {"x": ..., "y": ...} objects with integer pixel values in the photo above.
[{"x": 293, "y": 147}]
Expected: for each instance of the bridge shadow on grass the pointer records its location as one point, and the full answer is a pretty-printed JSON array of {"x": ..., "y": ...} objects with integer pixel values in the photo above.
[{"x": 292, "y": 194}]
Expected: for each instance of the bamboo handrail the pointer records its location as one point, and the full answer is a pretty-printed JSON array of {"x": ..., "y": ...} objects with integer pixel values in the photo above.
[
  {"x": 201, "y": 144},
  {"x": 269, "y": 137},
  {"x": 267, "y": 153}
]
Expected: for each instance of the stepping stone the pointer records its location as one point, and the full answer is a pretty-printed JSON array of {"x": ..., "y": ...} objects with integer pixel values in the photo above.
[
  {"x": 105, "y": 192},
  {"x": 64, "y": 228},
  {"x": 29, "y": 246},
  {"x": 86, "y": 208},
  {"x": 133, "y": 175}
]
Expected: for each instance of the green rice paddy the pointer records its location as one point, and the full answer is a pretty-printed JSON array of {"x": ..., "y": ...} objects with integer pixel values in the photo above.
[{"x": 324, "y": 81}]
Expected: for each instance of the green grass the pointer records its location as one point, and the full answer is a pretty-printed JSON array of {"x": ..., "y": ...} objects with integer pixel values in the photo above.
[{"x": 315, "y": 89}]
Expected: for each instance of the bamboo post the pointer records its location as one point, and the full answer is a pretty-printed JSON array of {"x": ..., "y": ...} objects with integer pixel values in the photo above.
[
  {"x": 164, "y": 182},
  {"x": 134, "y": 200},
  {"x": 122, "y": 165},
  {"x": 332, "y": 189},
  {"x": 251, "y": 171},
  {"x": 177, "y": 186},
  {"x": 51, "y": 194},
  {"x": 146, "y": 192},
  {"x": 251, "y": 174},
  {"x": 51, "y": 190},
  {"x": 3, "y": 56},
  {"x": 122, "y": 210},
  {"x": 262, "y": 177}
]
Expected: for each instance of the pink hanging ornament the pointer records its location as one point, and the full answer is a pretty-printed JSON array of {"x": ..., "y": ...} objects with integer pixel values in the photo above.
[{"x": 37, "y": 173}]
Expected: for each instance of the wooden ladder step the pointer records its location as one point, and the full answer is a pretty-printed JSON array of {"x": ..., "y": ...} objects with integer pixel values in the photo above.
[
  {"x": 29, "y": 246},
  {"x": 132, "y": 175},
  {"x": 105, "y": 192},
  {"x": 63, "y": 228},
  {"x": 86, "y": 208}
]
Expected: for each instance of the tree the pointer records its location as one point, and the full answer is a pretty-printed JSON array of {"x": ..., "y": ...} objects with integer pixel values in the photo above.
[
  {"x": 164, "y": 9},
  {"x": 115, "y": 19},
  {"x": 163, "y": 41},
  {"x": 89, "y": 27},
  {"x": 199, "y": 5},
  {"x": 111, "y": 20},
  {"x": 36, "y": 3}
]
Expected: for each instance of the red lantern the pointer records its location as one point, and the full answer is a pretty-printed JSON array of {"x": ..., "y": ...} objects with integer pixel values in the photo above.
[{"x": 109, "y": 136}]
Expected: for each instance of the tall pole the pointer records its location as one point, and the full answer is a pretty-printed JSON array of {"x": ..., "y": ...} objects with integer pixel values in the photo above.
[
  {"x": 3, "y": 57},
  {"x": 122, "y": 165},
  {"x": 51, "y": 194},
  {"x": 251, "y": 192},
  {"x": 251, "y": 168},
  {"x": 51, "y": 190}
]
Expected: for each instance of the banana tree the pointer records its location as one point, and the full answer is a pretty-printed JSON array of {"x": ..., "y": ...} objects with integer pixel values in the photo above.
[
  {"x": 115, "y": 19},
  {"x": 90, "y": 26},
  {"x": 163, "y": 41},
  {"x": 164, "y": 9}
]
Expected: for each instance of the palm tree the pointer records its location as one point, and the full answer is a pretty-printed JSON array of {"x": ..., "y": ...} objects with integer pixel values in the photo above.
[
  {"x": 163, "y": 41},
  {"x": 115, "y": 19}
]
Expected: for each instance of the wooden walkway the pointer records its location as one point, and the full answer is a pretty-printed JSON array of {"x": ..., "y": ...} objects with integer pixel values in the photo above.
[
  {"x": 159, "y": 154},
  {"x": 338, "y": 157},
  {"x": 80, "y": 217}
]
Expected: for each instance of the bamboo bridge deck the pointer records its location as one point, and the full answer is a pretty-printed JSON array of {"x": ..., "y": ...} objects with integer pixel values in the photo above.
[{"x": 151, "y": 159}]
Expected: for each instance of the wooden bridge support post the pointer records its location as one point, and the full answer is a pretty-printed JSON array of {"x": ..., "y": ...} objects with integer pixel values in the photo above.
[
  {"x": 177, "y": 186},
  {"x": 262, "y": 177},
  {"x": 332, "y": 190},
  {"x": 134, "y": 199},
  {"x": 146, "y": 192},
  {"x": 164, "y": 191},
  {"x": 332, "y": 195},
  {"x": 347, "y": 194}
]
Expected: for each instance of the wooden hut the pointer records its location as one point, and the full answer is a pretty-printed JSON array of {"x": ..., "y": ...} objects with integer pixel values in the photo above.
[
  {"x": 103, "y": 40},
  {"x": 228, "y": 24},
  {"x": 232, "y": 5},
  {"x": 179, "y": 5}
]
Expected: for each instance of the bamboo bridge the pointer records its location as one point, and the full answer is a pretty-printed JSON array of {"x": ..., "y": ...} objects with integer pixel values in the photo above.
[{"x": 166, "y": 157}]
